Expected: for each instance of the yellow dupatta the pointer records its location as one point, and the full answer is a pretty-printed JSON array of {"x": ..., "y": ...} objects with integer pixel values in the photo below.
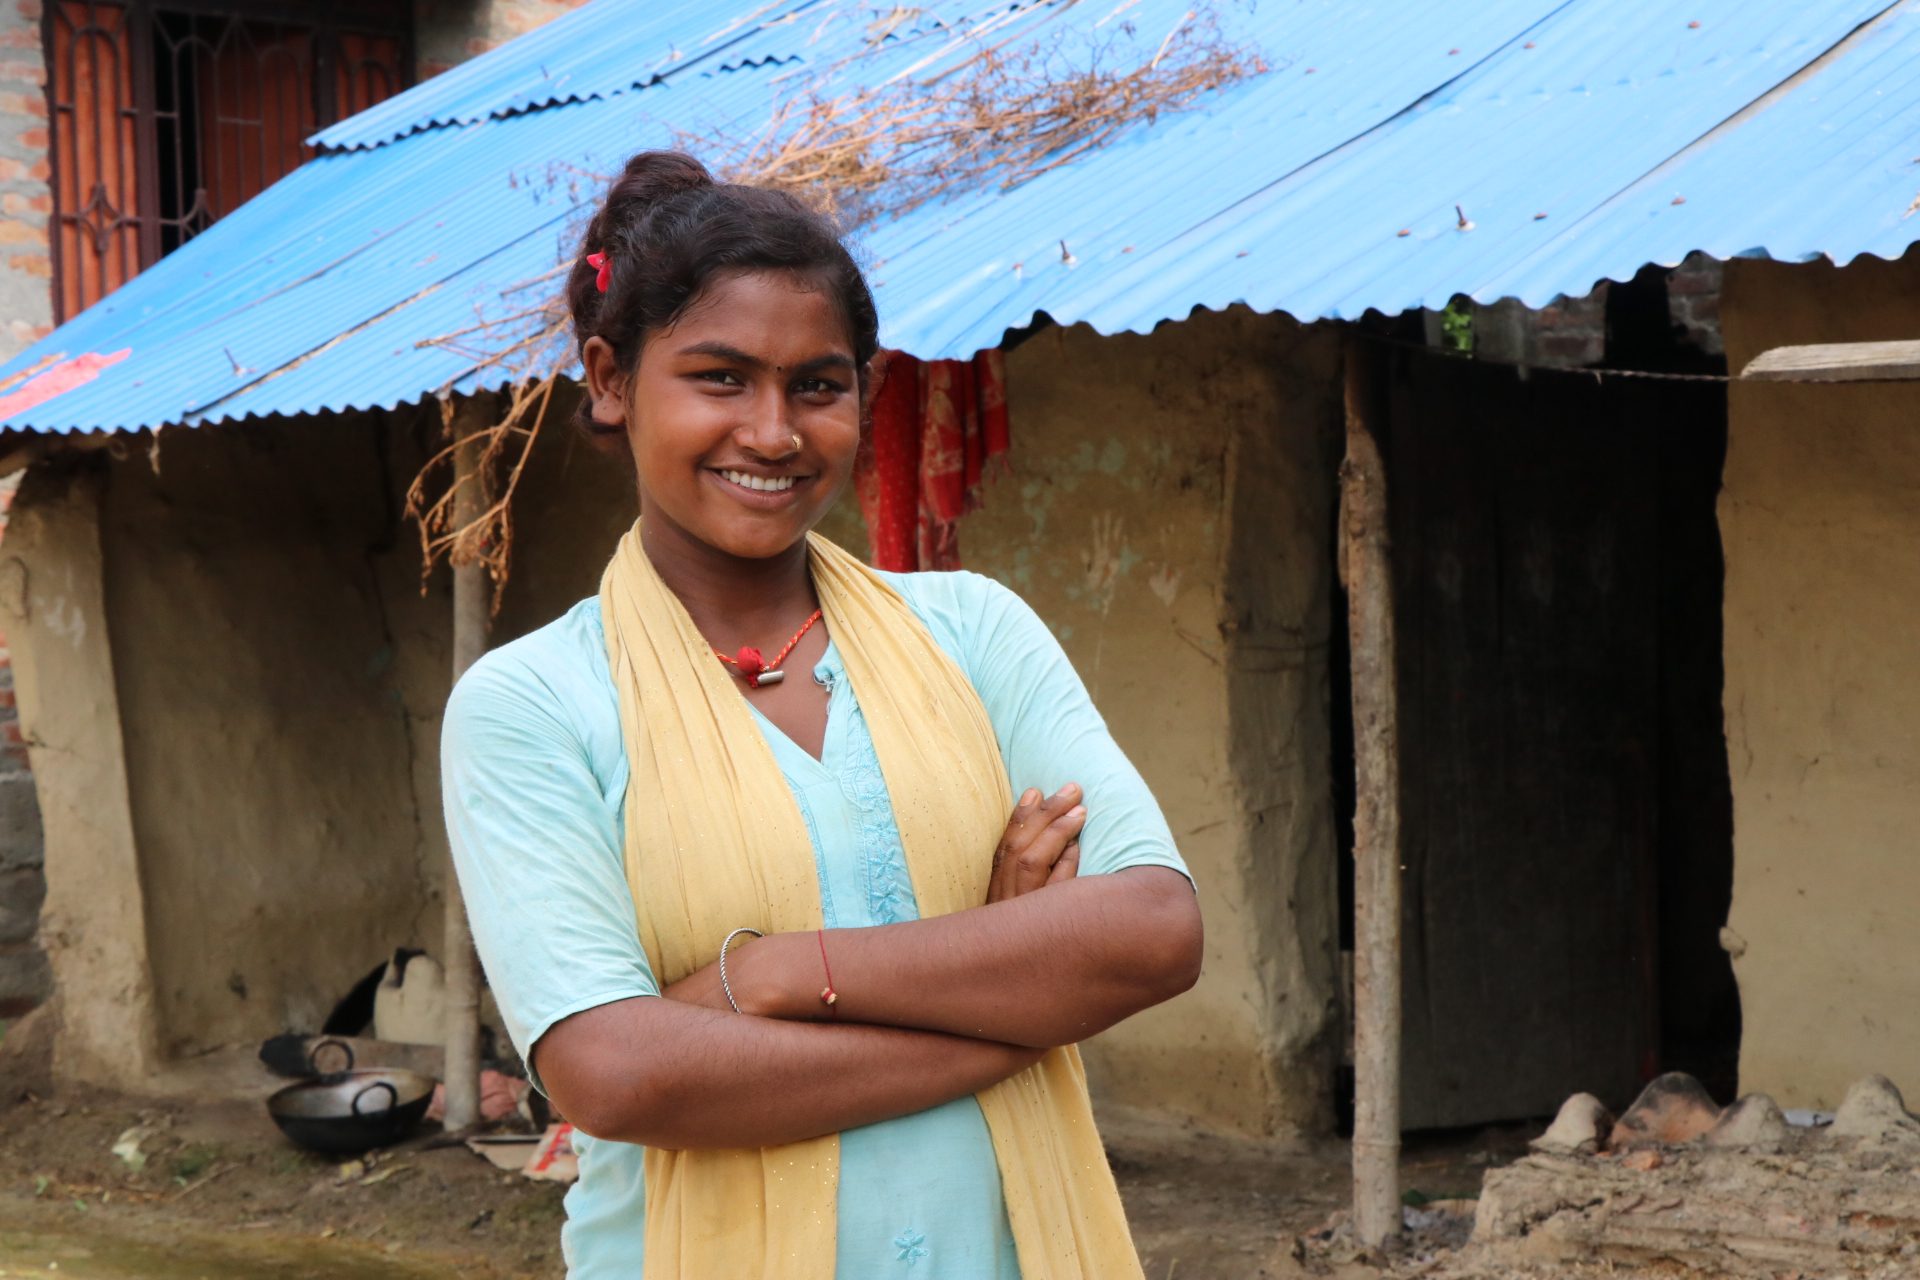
[{"x": 715, "y": 840}]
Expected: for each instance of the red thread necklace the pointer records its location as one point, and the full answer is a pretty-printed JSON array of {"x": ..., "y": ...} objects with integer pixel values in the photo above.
[{"x": 755, "y": 669}]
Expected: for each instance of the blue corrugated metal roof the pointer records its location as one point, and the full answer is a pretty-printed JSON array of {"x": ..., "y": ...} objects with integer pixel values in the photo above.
[{"x": 1581, "y": 138}]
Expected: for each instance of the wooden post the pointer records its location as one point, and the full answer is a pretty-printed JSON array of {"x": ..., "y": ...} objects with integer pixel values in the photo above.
[
  {"x": 471, "y": 611},
  {"x": 1366, "y": 568}
]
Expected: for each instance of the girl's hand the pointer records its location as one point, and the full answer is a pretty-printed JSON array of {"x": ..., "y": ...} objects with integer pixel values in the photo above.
[{"x": 1041, "y": 845}]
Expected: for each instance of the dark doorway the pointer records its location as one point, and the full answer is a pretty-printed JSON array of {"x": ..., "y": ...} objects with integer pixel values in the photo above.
[{"x": 1566, "y": 809}]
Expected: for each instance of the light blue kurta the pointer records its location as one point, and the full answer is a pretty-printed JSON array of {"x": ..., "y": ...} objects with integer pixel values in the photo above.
[{"x": 535, "y": 777}]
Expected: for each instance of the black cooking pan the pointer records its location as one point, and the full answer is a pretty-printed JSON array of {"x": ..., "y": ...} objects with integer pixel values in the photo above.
[{"x": 347, "y": 1112}]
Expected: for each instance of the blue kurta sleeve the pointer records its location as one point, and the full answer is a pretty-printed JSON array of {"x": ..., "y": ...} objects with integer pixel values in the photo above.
[
  {"x": 1049, "y": 731},
  {"x": 536, "y": 843}
]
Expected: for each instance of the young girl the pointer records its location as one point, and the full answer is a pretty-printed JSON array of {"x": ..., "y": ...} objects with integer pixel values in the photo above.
[{"x": 739, "y": 836}]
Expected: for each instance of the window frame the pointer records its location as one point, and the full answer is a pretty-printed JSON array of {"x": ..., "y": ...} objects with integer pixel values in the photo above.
[{"x": 327, "y": 23}]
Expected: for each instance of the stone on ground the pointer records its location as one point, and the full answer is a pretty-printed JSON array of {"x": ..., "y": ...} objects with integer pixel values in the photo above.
[
  {"x": 1875, "y": 1113},
  {"x": 1754, "y": 1122},
  {"x": 1582, "y": 1125},
  {"x": 1671, "y": 1110}
]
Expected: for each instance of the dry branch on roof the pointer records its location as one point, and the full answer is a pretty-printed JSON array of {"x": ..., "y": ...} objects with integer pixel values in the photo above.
[
  {"x": 999, "y": 117},
  {"x": 533, "y": 345},
  {"x": 979, "y": 110}
]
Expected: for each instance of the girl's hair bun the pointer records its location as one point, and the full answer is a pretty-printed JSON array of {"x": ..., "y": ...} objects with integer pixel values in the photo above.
[{"x": 653, "y": 176}]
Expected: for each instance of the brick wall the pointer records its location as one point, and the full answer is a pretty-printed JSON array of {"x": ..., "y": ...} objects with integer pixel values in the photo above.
[
  {"x": 26, "y": 264},
  {"x": 26, "y": 310},
  {"x": 1567, "y": 333},
  {"x": 26, "y": 315},
  {"x": 1693, "y": 299},
  {"x": 1572, "y": 332}
]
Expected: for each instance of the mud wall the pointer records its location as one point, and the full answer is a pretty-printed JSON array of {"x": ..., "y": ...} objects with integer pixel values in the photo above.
[
  {"x": 279, "y": 678},
  {"x": 1168, "y": 515},
  {"x": 1820, "y": 518},
  {"x": 53, "y": 606},
  {"x": 264, "y": 681}
]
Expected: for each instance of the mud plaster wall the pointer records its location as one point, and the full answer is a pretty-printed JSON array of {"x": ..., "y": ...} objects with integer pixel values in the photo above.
[
  {"x": 1168, "y": 517},
  {"x": 264, "y": 685},
  {"x": 1820, "y": 517},
  {"x": 93, "y": 924},
  {"x": 280, "y": 679}
]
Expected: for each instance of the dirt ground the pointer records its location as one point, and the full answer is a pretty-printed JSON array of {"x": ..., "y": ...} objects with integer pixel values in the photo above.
[{"x": 222, "y": 1196}]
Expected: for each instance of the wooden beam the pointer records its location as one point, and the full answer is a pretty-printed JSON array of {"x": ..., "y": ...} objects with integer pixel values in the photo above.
[
  {"x": 1366, "y": 568},
  {"x": 472, "y": 610},
  {"x": 1837, "y": 362}
]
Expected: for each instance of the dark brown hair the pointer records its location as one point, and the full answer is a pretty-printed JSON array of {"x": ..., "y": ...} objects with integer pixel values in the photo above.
[{"x": 668, "y": 228}]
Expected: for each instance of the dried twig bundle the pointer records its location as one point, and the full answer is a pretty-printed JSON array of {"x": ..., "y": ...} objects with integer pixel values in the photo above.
[
  {"x": 539, "y": 357},
  {"x": 997, "y": 117}
]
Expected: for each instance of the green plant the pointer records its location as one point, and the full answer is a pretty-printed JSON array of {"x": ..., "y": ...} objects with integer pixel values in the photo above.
[{"x": 1456, "y": 325}]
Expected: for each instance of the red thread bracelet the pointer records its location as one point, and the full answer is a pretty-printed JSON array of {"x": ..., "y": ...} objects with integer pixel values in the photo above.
[{"x": 828, "y": 996}]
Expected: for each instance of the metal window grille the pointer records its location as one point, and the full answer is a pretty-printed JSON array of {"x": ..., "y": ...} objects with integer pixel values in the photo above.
[{"x": 166, "y": 116}]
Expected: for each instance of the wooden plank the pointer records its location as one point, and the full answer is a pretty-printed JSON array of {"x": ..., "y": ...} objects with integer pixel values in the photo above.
[{"x": 1837, "y": 362}]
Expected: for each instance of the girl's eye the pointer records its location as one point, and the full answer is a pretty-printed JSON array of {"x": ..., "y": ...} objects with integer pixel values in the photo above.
[
  {"x": 721, "y": 377},
  {"x": 817, "y": 387}
]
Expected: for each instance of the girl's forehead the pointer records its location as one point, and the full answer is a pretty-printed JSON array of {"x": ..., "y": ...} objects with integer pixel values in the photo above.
[{"x": 761, "y": 309}]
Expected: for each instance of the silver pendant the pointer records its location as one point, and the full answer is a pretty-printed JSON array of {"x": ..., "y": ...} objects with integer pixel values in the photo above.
[{"x": 772, "y": 677}]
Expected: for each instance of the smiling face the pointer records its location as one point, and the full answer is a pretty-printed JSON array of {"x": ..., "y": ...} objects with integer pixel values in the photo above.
[{"x": 743, "y": 417}]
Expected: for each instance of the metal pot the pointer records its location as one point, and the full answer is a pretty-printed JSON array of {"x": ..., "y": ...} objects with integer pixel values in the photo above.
[{"x": 347, "y": 1112}]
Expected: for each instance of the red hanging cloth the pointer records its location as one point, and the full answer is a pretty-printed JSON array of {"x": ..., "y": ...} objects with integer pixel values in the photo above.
[{"x": 939, "y": 429}]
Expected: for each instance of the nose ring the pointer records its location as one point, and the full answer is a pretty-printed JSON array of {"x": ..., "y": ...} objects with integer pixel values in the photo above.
[{"x": 797, "y": 442}]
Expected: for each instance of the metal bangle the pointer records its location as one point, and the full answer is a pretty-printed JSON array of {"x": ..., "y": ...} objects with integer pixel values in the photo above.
[{"x": 724, "y": 944}]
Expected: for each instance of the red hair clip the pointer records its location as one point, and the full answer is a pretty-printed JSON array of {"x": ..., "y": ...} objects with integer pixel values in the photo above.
[{"x": 603, "y": 268}]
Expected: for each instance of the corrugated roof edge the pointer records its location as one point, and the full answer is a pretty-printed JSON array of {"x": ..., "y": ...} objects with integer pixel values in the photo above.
[
  {"x": 470, "y": 119},
  {"x": 438, "y": 87},
  {"x": 495, "y": 378},
  {"x": 402, "y": 116},
  {"x": 492, "y": 380}
]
